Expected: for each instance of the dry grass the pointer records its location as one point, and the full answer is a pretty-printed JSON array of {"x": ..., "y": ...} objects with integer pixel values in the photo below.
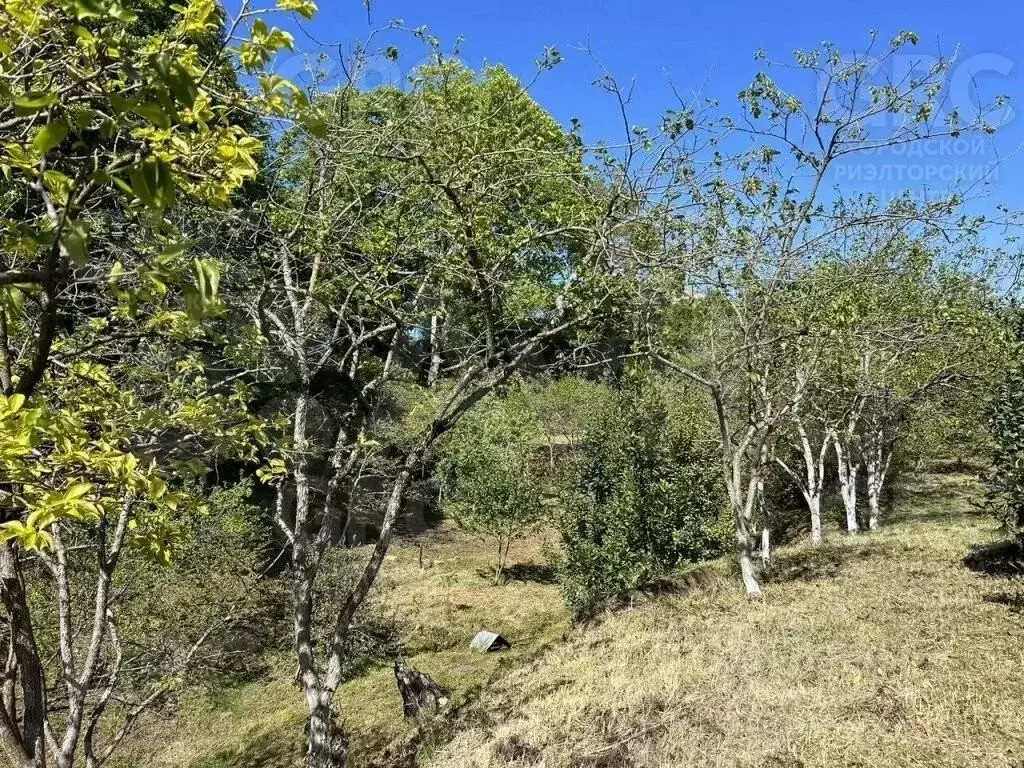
[
  {"x": 879, "y": 650},
  {"x": 440, "y": 605}
]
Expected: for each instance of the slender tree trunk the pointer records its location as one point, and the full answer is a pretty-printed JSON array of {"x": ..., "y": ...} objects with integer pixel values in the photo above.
[
  {"x": 766, "y": 526},
  {"x": 33, "y": 685},
  {"x": 871, "y": 467},
  {"x": 814, "y": 505},
  {"x": 436, "y": 346},
  {"x": 847, "y": 470},
  {"x": 877, "y": 466}
]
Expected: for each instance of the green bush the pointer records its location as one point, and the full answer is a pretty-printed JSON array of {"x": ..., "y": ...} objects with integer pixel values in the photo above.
[
  {"x": 647, "y": 497},
  {"x": 1006, "y": 426},
  {"x": 489, "y": 473}
]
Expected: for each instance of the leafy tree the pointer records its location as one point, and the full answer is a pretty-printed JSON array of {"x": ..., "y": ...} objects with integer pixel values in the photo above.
[
  {"x": 489, "y": 474},
  {"x": 563, "y": 406},
  {"x": 110, "y": 120},
  {"x": 747, "y": 232},
  {"x": 1006, "y": 426},
  {"x": 647, "y": 498},
  {"x": 461, "y": 190}
]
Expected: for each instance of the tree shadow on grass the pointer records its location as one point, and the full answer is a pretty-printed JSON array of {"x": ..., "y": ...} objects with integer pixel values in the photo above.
[
  {"x": 805, "y": 565},
  {"x": 267, "y": 750},
  {"x": 538, "y": 573},
  {"x": 1000, "y": 559},
  {"x": 1014, "y": 601},
  {"x": 826, "y": 561}
]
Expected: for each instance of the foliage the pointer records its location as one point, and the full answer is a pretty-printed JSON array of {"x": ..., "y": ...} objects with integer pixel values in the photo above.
[
  {"x": 1006, "y": 427},
  {"x": 647, "y": 498},
  {"x": 489, "y": 472},
  {"x": 118, "y": 123}
]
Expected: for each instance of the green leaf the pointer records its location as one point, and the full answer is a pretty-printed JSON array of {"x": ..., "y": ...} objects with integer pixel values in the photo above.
[
  {"x": 31, "y": 102},
  {"x": 116, "y": 271},
  {"x": 202, "y": 297},
  {"x": 75, "y": 241},
  {"x": 151, "y": 182},
  {"x": 49, "y": 136},
  {"x": 121, "y": 13},
  {"x": 305, "y": 8},
  {"x": 176, "y": 78},
  {"x": 154, "y": 113},
  {"x": 85, "y": 9},
  {"x": 77, "y": 491}
]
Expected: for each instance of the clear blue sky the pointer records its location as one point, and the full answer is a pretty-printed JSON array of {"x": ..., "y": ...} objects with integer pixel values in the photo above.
[{"x": 707, "y": 46}]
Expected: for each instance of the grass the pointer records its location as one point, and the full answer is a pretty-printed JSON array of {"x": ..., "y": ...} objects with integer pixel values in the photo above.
[
  {"x": 877, "y": 650},
  {"x": 440, "y": 604},
  {"x": 874, "y": 650}
]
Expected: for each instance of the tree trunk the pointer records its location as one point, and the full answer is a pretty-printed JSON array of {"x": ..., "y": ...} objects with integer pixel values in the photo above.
[
  {"x": 742, "y": 510},
  {"x": 847, "y": 470},
  {"x": 871, "y": 467},
  {"x": 747, "y": 571},
  {"x": 327, "y": 744},
  {"x": 766, "y": 547},
  {"x": 814, "y": 505},
  {"x": 436, "y": 343},
  {"x": 877, "y": 466},
  {"x": 33, "y": 686}
]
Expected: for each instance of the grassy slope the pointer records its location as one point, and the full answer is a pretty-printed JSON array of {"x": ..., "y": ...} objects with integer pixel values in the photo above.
[
  {"x": 878, "y": 650},
  {"x": 441, "y": 605}
]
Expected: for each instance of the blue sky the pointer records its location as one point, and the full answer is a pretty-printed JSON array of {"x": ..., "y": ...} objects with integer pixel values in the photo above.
[{"x": 710, "y": 46}]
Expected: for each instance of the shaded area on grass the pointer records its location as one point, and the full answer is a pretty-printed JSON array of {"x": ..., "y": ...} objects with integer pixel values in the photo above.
[
  {"x": 1000, "y": 558},
  {"x": 538, "y": 573},
  {"x": 266, "y": 750}
]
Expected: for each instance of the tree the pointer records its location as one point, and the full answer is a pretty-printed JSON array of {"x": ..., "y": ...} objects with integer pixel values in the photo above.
[
  {"x": 461, "y": 189},
  {"x": 489, "y": 475},
  {"x": 910, "y": 325},
  {"x": 108, "y": 123},
  {"x": 746, "y": 234},
  {"x": 646, "y": 496},
  {"x": 1005, "y": 417}
]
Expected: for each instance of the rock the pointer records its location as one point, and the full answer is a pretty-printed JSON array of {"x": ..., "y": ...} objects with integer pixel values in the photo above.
[
  {"x": 489, "y": 641},
  {"x": 419, "y": 691}
]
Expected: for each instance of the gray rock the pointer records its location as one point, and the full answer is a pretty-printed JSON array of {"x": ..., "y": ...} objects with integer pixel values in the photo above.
[{"x": 489, "y": 641}]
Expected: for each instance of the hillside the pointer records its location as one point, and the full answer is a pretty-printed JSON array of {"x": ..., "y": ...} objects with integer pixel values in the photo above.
[{"x": 879, "y": 650}]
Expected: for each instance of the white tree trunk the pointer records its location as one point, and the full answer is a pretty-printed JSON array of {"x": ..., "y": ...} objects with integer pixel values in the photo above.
[
  {"x": 436, "y": 344},
  {"x": 812, "y": 481},
  {"x": 766, "y": 525},
  {"x": 326, "y": 747},
  {"x": 747, "y": 571},
  {"x": 847, "y": 469},
  {"x": 872, "y": 469},
  {"x": 877, "y": 466},
  {"x": 814, "y": 505},
  {"x": 743, "y": 508}
]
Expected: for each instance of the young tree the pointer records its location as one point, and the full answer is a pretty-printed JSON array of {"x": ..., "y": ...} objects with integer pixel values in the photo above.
[
  {"x": 765, "y": 215},
  {"x": 489, "y": 475},
  {"x": 646, "y": 495}
]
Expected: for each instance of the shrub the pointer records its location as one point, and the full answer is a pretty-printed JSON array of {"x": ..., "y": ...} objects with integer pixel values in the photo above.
[
  {"x": 647, "y": 497},
  {"x": 489, "y": 473},
  {"x": 1006, "y": 426}
]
